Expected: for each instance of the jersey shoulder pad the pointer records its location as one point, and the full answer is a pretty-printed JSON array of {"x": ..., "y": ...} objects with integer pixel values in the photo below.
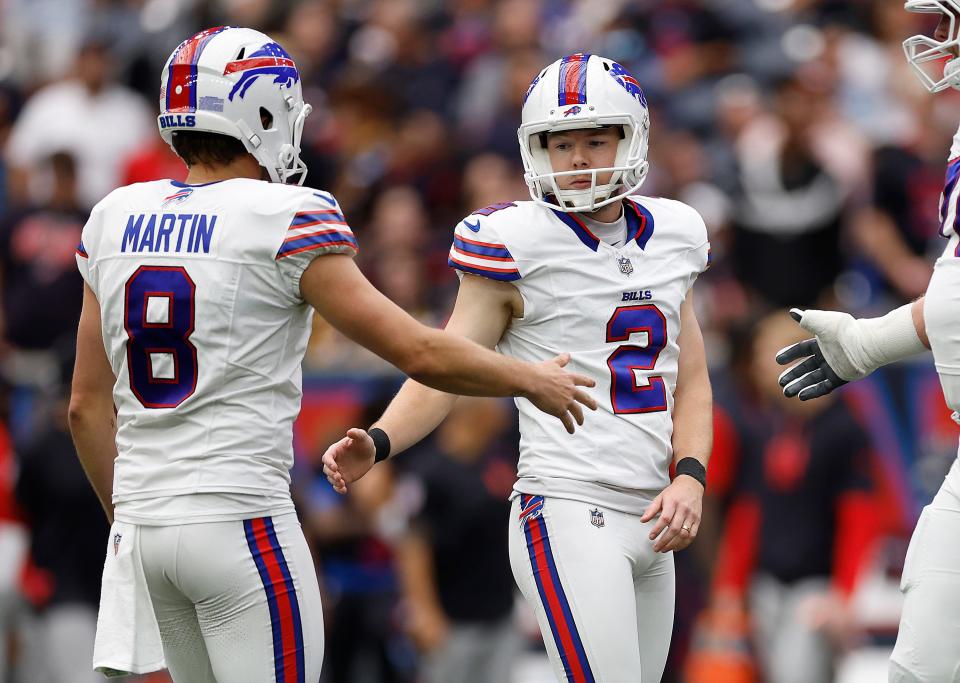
[
  {"x": 479, "y": 247},
  {"x": 316, "y": 223},
  {"x": 672, "y": 215}
]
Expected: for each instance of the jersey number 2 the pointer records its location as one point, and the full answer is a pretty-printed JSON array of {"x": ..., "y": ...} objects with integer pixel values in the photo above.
[
  {"x": 158, "y": 315},
  {"x": 626, "y": 395}
]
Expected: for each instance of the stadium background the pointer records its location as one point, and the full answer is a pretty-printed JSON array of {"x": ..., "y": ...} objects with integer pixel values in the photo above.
[{"x": 795, "y": 127}]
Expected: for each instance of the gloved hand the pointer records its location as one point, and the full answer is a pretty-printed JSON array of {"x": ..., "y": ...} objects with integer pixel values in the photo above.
[
  {"x": 812, "y": 377},
  {"x": 844, "y": 349}
]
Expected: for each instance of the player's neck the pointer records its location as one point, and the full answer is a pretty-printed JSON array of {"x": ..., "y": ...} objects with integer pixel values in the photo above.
[
  {"x": 606, "y": 214},
  {"x": 242, "y": 167}
]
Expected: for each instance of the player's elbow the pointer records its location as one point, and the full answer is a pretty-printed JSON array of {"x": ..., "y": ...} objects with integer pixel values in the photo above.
[
  {"x": 85, "y": 409},
  {"x": 421, "y": 360}
]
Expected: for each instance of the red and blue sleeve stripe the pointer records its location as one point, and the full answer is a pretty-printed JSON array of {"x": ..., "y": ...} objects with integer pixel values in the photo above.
[
  {"x": 573, "y": 79},
  {"x": 181, "y": 95},
  {"x": 82, "y": 251},
  {"x": 505, "y": 274},
  {"x": 304, "y": 219},
  {"x": 483, "y": 258},
  {"x": 285, "y": 622},
  {"x": 471, "y": 247},
  {"x": 321, "y": 239},
  {"x": 562, "y": 626}
]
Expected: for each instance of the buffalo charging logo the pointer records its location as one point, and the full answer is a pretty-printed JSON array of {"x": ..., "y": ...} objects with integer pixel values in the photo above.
[{"x": 270, "y": 60}]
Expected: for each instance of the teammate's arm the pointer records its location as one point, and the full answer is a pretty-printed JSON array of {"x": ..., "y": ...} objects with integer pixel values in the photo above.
[
  {"x": 680, "y": 505},
  {"x": 845, "y": 348},
  {"x": 344, "y": 297},
  {"x": 482, "y": 313},
  {"x": 93, "y": 420}
]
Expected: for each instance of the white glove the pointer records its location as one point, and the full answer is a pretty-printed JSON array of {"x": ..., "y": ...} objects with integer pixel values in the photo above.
[{"x": 845, "y": 349}]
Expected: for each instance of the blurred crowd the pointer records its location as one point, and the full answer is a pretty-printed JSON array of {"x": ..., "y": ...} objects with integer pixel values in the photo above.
[{"x": 794, "y": 126}]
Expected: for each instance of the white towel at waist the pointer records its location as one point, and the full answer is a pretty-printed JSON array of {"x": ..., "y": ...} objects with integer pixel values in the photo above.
[{"x": 128, "y": 638}]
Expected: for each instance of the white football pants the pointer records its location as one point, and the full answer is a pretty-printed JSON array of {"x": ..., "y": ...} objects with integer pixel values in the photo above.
[
  {"x": 928, "y": 642},
  {"x": 236, "y": 602},
  {"x": 603, "y": 598}
]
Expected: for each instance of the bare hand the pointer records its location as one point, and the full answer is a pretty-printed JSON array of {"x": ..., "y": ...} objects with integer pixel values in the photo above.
[
  {"x": 555, "y": 392},
  {"x": 348, "y": 459},
  {"x": 680, "y": 506}
]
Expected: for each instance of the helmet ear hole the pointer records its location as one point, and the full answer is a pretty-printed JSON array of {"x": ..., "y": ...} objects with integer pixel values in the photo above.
[
  {"x": 266, "y": 118},
  {"x": 240, "y": 54}
]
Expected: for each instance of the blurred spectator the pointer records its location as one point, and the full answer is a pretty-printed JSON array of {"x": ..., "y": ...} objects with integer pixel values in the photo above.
[
  {"x": 351, "y": 535},
  {"x": 41, "y": 287},
  {"x": 87, "y": 115},
  {"x": 897, "y": 230},
  {"x": 13, "y": 549},
  {"x": 68, "y": 537},
  {"x": 453, "y": 561},
  {"x": 153, "y": 161},
  {"x": 790, "y": 202},
  {"x": 800, "y": 528}
]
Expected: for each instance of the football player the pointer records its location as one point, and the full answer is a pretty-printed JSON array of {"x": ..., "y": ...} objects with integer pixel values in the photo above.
[
  {"x": 590, "y": 266},
  {"x": 195, "y": 320},
  {"x": 846, "y": 349}
]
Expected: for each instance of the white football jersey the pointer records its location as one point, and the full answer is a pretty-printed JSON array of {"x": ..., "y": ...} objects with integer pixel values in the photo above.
[
  {"x": 950, "y": 198},
  {"x": 617, "y": 311},
  {"x": 205, "y": 328}
]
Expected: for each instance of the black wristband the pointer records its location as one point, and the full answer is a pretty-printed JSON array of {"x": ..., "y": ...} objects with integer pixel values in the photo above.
[
  {"x": 381, "y": 442},
  {"x": 693, "y": 468}
]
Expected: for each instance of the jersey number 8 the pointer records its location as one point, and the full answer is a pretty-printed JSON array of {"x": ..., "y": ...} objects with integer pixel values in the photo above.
[{"x": 159, "y": 316}]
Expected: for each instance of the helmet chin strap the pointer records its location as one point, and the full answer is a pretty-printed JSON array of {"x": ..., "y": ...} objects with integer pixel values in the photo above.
[{"x": 587, "y": 198}]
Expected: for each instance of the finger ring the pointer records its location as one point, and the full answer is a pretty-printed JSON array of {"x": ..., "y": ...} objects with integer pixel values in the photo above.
[{"x": 685, "y": 528}]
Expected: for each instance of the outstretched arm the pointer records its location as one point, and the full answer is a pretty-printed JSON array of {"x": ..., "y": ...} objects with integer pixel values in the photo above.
[
  {"x": 345, "y": 298},
  {"x": 680, "y": 505},
  {"x": 482, "y": 313},
  {"x": 845, "y": 348},
  {"x": 93, "y": 421}
]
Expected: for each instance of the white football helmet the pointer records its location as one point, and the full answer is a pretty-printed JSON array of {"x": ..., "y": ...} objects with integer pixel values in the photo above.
[
  {"x": 935, "y": 61},
  {"x": 237, "y": 82},
  {"x": 584, "y": 91}
]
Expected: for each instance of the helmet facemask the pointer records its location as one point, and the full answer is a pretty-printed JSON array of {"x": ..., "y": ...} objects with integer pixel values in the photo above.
[
  {"x": 935, "y": 61},
  {"x": 575, "y": 93},
  {"x": 628, "y": 172}
]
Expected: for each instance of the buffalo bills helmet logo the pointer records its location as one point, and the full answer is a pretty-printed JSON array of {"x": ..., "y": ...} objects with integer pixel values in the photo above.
[
  {"x": 533, "y": 84},
  {"x": 572, "y": 111},
  {"x": 629, "y": 83},
  {"x": 270, "y": 60}
]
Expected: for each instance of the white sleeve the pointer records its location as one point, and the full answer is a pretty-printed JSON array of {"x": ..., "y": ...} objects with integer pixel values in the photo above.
[
  {"x": 89, "y": 239},
  {"x": 479, "y": 249},
  {"x": 317, "y": 228}
]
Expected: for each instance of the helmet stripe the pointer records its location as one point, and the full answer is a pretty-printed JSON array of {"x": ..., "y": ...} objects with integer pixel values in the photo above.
[
  {"x": 573, "y": 79},
  {"x": 182, "y": 72}
]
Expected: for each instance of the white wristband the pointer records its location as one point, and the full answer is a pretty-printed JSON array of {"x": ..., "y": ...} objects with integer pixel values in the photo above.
[
  {"x": 854, "y": 348},
  {"x": 890, "y": 338}
]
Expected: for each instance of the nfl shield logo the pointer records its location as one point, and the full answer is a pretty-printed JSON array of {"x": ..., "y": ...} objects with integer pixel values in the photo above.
[
  {"x": 626, "y": 267},
  {"x": 596, "y": 518},
  {"x": 116, "y": 543}
]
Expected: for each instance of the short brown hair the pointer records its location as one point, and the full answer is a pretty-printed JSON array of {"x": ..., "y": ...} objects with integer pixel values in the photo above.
[{"x": 209, "y": 149}]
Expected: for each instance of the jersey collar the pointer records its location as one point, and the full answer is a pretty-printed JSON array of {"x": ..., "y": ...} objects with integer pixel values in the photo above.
[
  {"x": 177, "y": 183},
  {"x": 639, "y": 225}
]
